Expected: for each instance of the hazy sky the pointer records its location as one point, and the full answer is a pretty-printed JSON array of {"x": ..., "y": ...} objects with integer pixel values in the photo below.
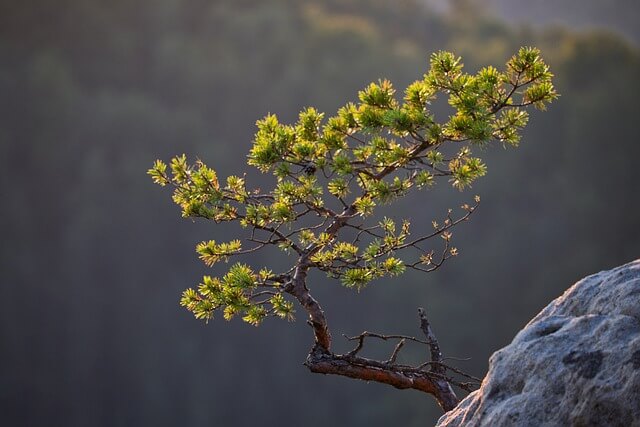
[{"x": 621, "y": 16}]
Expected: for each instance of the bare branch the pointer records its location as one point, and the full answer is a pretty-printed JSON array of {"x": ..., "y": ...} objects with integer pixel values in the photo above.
[
  {"x": 446, "y": 393},
  {"x": 434, "y": 380},
  {"x": 385, "y": 337},
  {"x": 440, "y": 230},
  {"x": 396, "y": 350}
]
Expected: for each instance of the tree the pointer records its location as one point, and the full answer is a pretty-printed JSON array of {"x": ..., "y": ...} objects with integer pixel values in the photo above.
[{"x": 330, "y": 177}]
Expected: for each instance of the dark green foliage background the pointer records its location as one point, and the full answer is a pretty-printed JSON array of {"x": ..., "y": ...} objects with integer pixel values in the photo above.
[{"x": 94, "y": 256}]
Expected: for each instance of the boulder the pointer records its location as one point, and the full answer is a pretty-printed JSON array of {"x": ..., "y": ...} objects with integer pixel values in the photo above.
[{"x": 577, "y": 363}]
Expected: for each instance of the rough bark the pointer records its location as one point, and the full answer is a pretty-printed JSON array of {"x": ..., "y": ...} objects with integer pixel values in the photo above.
[
  {"x": 317, "y": 319},
  {"x": 322, "y": 360},
  {"x": 446, "y": 396}
]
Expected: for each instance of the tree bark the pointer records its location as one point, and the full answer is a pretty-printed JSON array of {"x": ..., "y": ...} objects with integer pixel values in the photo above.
[
  {"x": 317, "y": 319},
  {"x": 323, "y": 362}
]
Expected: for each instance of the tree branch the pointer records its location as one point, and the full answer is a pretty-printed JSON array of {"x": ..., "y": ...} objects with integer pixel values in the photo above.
[
  {"x": 432, "y": 380},
  {"x": 297, "y": 288},
  {"x": 446, "y": 396}
]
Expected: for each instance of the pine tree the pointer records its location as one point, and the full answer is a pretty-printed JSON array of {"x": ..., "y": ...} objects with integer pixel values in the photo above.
[{"x": 330, "y": 176}]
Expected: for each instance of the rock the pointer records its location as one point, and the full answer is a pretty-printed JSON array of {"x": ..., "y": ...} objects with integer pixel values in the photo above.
[{"x": 577, "y": 363}]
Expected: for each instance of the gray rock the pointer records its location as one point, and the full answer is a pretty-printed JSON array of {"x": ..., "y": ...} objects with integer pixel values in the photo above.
[{"x": 577, "y": 363}]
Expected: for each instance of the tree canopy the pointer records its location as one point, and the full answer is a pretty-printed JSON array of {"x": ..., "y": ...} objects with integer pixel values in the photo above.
[{"x": 330, "y": 175}]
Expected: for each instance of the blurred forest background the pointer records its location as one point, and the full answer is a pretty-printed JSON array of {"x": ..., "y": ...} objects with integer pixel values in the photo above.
[{"x": 94, "y": 256}]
